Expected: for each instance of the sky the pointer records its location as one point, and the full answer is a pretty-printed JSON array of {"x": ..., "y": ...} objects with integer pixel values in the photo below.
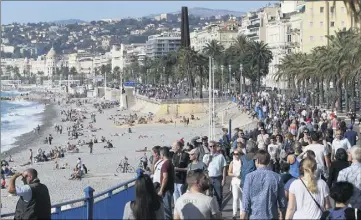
[{"x": 36, "y": 11}]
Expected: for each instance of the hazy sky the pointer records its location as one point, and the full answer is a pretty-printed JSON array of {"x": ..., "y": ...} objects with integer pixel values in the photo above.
[{"x": 35, "y": 11}]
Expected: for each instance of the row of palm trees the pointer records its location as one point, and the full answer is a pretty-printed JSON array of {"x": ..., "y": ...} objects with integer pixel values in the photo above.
[
  {"x": 192, "y": 66},
  {"x": 330, "y": 74}
]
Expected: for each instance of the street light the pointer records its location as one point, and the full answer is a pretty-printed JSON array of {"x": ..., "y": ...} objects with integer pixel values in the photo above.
[
  {"x": 222, "y": 89},
  {"x": 240, "y": 78},
  {"x": 229, "y": 74}
]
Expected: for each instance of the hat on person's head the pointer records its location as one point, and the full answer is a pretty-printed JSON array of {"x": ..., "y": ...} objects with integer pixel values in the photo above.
[
  {"x": 204, "y": 138},
  {"x": 193, "y": 151},
  {"x": 350, "y": 127}
]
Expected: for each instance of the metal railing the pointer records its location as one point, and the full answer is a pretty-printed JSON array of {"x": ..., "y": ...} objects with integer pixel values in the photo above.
[{"x": 104, "y": 205}]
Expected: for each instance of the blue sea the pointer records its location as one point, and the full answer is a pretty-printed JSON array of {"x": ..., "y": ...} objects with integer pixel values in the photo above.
[{"x": 17, "y": 118}]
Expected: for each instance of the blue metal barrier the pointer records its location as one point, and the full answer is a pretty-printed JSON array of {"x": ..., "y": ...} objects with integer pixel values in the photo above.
[{"x": 105, "y": 205}]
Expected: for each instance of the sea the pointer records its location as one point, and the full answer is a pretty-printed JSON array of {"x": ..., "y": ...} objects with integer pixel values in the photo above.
[{"x": 17, "y": 118}]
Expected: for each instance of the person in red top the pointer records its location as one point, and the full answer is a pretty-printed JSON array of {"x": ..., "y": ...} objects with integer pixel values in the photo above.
[{"x": 166, "y": 182}]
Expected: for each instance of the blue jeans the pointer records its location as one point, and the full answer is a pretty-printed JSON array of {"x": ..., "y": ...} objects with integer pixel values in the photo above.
[
  {"x": 167, "y": 202},
  {"x": 217, "y": 189},
  {"x": 177, "y": 191}
]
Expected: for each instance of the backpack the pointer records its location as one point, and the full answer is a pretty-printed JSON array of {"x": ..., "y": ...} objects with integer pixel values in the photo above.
[
  {"x": 337, "y": 214},
  {"x": 248, "y": 166}
]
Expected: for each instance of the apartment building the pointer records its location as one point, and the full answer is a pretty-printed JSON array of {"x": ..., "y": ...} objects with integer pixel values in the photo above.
[
  {"x": 161, "y": 44},
  {"x": 250, "y": 26},
  {"x": 225, "y": 34},
  {"x": 283, "y": 36},
  {"x": 323, "y": 18}
]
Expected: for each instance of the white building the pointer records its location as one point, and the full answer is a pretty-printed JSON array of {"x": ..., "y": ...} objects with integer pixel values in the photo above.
[
  {"x": 283, "y": 36},
  {"x": 162, "y": 44},
  {"x": 225, "y": 34},
  {"x": 125, "y": 54}
]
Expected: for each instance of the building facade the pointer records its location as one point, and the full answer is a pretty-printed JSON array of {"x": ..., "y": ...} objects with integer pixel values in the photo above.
[
  {"x": 323, "y": 18},
  {"x": 225, "y": 34},
  {"x": 162, "y": 44}
]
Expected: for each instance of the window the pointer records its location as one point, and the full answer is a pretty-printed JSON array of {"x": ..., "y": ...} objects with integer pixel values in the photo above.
[
  {"x": 311, "y": 24},
  {"x": 321, "y": 23},
  {"x": 342, "y": 9},
  {"x": 321, "y": 37},
  {"x": 311, "y": 38},
  {"x": 342, "y": 23},
  {"x": 289, "y": 38},
  {"x": 289, "y": 51},
  {"x": 332, "y": 24},
  {"x": 332, "y": 9},
  {"x": 322, "y": 9}
]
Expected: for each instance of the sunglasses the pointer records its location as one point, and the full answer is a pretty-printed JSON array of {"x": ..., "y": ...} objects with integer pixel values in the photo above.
[
  {"x": 305, "y": 132},
  {"x": 242, "y": 133},
  {"x": 236, "y": 154}
]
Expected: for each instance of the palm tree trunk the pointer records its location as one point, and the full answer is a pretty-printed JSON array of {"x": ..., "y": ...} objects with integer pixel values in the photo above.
[
  {"x": 328, "y": 94},
  {"x": 346, "y": 97},
  {"x": 353, "y": 94},
  {"x": 258, "y": 75},
  {"x": 322, "y": 92},
  {"x": 318, "y": 93},
  {"x": 339, "y": 89},
  {"x": 201, "y": 82}
]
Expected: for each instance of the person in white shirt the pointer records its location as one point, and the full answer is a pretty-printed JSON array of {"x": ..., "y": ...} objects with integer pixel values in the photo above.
[
  {"x": 339, "y": 142},
  {"x": 216, "y": 165},
  {"x": 234, "y": 171},
  {"x": 319, "y": 150},
  {"x": 307, "y": 195},
  {"x": 194, "y": 204},
  {"x": 274, "y": 151}
]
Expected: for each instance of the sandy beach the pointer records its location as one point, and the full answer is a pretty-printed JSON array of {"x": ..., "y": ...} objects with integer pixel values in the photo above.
[{"x": 103, "y": 162}]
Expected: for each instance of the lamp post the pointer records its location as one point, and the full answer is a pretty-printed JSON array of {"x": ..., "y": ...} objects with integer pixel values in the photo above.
[
  {"x": 240, "y": 78},
  {"x": 222, "y": 89},
  {"x": 213, "y": 109},
  {"x": 230, "y": 76},
  {"x": 210, "y": 99}
]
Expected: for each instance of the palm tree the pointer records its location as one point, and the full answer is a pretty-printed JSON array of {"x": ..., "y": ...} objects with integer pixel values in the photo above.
[
  {"x": 261, "y": 56},
  {"x": 186, "y": 62},
  {"x": 354, "y": 6},
  {"x": 213, "y": 49}
]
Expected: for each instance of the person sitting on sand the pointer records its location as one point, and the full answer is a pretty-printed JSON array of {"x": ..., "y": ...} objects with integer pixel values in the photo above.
[
  {"x": 103, "y": 139},
  {"x": 109, "y": 145},
  {"x": 76, "y": 174}
]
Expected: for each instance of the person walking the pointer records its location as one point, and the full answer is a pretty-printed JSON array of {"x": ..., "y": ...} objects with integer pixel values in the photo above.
[
  {"x": 352, "y": 174},
  {"x": 166, "y": 182},
  {"x": 308, "y": 196},
  {"x": 234, "y": 171},
  {"x": 194, "y": 204},
  {"x": 34, "y": 201},
  {"x": 216, "y": 165},
  {"x": 263, "y": 192},
  {"x": 180, "y": 161}
]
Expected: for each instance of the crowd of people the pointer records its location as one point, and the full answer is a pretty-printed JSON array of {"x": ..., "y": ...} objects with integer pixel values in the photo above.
[{"x": 299, "y": 163}]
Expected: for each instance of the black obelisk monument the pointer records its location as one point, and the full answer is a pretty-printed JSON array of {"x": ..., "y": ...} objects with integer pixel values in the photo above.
[{"x": 185, "y": 39}]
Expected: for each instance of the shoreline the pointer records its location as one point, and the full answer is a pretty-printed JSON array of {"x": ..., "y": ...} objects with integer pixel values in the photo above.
[{"x": 28, "y": 139}]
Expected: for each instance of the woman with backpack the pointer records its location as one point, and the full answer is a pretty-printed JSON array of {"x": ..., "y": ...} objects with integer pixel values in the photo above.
[{"x": 308, "y": 196}]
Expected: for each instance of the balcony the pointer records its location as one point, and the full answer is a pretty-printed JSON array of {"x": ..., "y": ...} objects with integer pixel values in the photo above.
[
  {"x": 253, "y": 17},
  {"x": 253, "y": 26}
]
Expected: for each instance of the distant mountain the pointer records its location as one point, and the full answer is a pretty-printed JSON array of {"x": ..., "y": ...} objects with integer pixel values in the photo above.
[{"x": 68, "y": 21}]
